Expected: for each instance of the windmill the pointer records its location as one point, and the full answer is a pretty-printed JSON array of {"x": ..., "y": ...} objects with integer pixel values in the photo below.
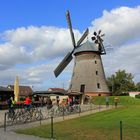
[{"x": 88, "y": 75}]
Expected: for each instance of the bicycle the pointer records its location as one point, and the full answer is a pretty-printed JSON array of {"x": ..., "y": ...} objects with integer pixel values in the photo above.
[{"x": 10, "y": 117}]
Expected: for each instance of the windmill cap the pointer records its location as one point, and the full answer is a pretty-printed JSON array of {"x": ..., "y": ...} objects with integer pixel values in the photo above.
[{"x": 87, "y": 47}]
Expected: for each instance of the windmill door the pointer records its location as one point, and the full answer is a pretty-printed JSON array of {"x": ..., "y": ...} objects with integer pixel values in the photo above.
[{"x": 82, "y": 88}]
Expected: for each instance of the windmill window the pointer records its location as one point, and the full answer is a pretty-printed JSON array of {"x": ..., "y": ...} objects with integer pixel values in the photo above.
[
  {"x": 70, "y": 85},
  {"x": 95, "y": 62},
  {"x": 98, "y": 85},
  {"x": 73, "y": 74},
  {"x": 97, "y": 72}
]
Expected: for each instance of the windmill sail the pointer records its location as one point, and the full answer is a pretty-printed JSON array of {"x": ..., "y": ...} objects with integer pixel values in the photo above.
[
  {"x": 83, "y": 37},
  {"x": 63, "y": 64},
  {"x": 70, "y": 27},
  {"x": 102, "y": 46}
]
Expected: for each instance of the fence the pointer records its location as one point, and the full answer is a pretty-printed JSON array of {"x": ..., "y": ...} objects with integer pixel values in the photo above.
[
  {"x": 118, "y": 131},
  {"x": 122, "y": 131},
  {"x": 21, "y": 115}
]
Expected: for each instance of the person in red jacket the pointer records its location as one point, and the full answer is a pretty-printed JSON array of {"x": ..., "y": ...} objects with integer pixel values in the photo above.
[{"x": 28, "y": 102}]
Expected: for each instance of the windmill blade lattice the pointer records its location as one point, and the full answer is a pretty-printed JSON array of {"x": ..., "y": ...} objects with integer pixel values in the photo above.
[{"x": 97, "y": 38}]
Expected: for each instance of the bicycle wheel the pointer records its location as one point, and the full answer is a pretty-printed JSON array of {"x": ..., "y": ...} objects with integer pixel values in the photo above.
[
  {"x": 38, "y": 115},
  {"x": 9, "y": 118}
]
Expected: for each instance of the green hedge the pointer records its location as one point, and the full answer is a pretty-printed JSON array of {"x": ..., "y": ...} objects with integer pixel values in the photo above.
[{"x": 137, "y": 96}]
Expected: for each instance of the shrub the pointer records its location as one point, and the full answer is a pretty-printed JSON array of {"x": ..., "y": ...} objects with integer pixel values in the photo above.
[{"x": 137, "y": 96}]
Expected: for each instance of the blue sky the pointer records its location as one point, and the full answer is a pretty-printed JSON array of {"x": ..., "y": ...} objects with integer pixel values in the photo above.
[
  {"x": 34, "y": 37},
  {"x": 18, "y": 13}
]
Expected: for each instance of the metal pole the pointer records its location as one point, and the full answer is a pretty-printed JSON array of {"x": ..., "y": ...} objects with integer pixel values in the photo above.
[
  {"x": 90, "y": 105},
  {"x": 99, "y": 106},
  {"x": 52, "y": 127},
  {"x": 5, "y": 122},
  {"x": 40, "y": 116},
  {"x": 63, "y": 113},
  {"x": 120, "y": 130},
  {"x": 79, "y": 109}
]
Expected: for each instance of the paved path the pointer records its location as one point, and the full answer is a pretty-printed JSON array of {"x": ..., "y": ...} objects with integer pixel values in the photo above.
[
  {"x": 2, "y": 112},
  {"x": 11, "y": 135}
]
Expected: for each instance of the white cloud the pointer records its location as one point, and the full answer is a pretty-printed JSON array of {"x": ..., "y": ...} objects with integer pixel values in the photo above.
[
  {"x": 40, "y": 76},
  {"x": 25, "y": 45},
  {"x": 126, "y": 57},
  {"x": 11, "y": 55},
  {"x": 120, "y": 25}
]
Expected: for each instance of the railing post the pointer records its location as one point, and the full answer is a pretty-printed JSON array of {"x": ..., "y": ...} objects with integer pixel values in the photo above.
[
  {"x": 120, "y": 130},
  {"x": 40, "y": 116},
  {"x": 79, "y": 109},
  {"x": 51, "y": 127},
  {"x": 99, "y": 106},
  {"x": 5, "y": 121},
  {"x": 90, "y": 107},
  {"x": 63, "y": 113}
]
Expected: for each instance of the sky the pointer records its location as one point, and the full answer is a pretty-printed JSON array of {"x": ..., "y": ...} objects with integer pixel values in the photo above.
[{"x": 34, "y": 38}]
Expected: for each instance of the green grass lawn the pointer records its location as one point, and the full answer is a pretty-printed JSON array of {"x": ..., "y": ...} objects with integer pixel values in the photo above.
[
  {"x": 100, "y": 126},
  {"x": 123, "y": 100}
]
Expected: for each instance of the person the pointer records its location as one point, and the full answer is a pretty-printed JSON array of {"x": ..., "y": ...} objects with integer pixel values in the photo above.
[
  {"x": 75, "y": 101},
  {"x": 33, "y": 101},
  {"x": 70, "y": 101},
  {"x": 11, "y": 104},
  {"x": 116, "y": 99},
  {"x": 107, "y": 101},
  {"x": 64, "y": 102},
  {"x": 49, "y": 103},
  {"x": 57, "y": 100},
  {"x": 28, "y": 102},
  {"x": 41, "y": 100}
]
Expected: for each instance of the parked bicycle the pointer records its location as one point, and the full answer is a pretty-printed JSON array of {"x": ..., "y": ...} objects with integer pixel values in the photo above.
[{"x": 24, "y": 115}]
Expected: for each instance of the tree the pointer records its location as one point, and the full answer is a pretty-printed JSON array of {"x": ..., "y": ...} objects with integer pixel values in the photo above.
[{"x": 121, "y": 82}]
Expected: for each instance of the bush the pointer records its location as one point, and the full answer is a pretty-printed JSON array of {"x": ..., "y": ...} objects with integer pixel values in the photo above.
[
  {"x": 124, "y": 94},
  {"x": 137, "y": 96}
]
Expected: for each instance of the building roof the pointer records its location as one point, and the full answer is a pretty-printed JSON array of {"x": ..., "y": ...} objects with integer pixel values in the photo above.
[
  {"x": 23, "y": 90},
  {"x": 49, "y": 93},
  {"x": 56, "y": 89},
  {"x": 87, "y": 47},
  {"x": 134, "y": 92},
  {"x": 5, "y": 89}
]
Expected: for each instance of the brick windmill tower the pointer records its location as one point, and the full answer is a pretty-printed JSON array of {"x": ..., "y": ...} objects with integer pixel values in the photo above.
[{"x": 88, "y": 76}]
